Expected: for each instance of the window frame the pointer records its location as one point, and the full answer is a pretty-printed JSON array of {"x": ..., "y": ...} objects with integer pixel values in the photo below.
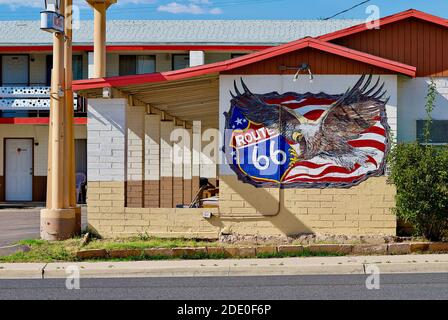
[
  {"x": 173, "y": 56},
  {"x": 135, "y": 58},
  {"x": 418, "y": 133}
]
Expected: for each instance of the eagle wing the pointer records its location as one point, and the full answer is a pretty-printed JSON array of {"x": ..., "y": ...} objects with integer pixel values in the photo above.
[
  {"x": 355, "y": 111},
  {"x": 274, "y": 116}
]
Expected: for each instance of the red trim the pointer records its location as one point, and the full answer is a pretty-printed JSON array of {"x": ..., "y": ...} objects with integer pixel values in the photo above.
[
  {"x": 39, "y": 48},
  {"x": 246, "y": 60},
  {"x": 185, "y": 48},
  {"x": 411, "y": 13},
  {"x": 78, "y": 121},
  {"x": 112, "y": 48}
]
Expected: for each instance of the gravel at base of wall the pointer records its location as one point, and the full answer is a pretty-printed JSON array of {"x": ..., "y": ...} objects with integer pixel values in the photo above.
[{"x": 254, "y": 251}]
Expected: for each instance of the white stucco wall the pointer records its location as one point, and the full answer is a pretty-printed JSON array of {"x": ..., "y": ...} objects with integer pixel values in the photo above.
[
  {"x": 411, "y": 104},
  {"x": 330, "y": 84},
  {"x": 40, "y": 135}
]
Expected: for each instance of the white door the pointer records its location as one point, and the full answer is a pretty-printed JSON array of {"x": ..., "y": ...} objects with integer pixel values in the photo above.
[
  {"x": 19, "y": 169},
  {"x": 14, "y": 70}
]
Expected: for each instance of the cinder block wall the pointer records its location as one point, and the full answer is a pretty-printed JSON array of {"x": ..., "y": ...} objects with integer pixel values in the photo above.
[
  {"x": 118, "y": 161},
  {"x": 113, "y": 128},
  {"x": 364, "y": 209}
]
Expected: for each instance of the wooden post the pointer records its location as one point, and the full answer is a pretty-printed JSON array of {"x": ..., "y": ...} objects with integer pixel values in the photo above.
[{"x": 99, "y": 42}]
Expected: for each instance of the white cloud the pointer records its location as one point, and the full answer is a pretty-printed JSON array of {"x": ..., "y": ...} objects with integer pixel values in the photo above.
[{"x": 192, "y": 7}]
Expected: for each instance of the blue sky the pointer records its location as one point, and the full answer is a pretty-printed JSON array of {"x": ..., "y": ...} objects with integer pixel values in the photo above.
[{"x": 228, "y": 9}]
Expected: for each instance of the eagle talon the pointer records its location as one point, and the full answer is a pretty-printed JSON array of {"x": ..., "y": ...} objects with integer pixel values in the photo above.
[{"x": 294, "y": 157}]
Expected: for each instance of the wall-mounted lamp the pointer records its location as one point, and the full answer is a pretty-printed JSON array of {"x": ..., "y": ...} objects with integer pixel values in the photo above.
[{"x": 303, "y": 67}]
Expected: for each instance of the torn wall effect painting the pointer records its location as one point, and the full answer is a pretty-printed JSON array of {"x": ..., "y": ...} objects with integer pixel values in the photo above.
[{"x": 308, "y": 140}]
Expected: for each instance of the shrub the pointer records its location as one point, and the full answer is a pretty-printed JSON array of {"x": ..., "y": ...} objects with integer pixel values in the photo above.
[{"x": 420, "y": 174}]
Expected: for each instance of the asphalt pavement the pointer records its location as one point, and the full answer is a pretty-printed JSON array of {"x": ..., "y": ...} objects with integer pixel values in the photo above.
[
  {"x": 22, "y": 223},
  {"x": 345, "y": 287}
]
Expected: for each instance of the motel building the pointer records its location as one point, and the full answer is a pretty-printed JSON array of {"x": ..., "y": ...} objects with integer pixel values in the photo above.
[
  {"x": 290, "y": 138},
  {"x": 133, "y": 47}
]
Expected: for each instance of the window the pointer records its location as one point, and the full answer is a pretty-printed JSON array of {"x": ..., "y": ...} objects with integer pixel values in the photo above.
[
  {"x": 14, "y": 70},
  {"x": 181, "y": 61},
  {"x": 76, "y": 63},
  {"x": 439, "y": 131},
  {"x": 77, "y": 67},
  {"x": 237, "y": 55},
  {"x": 132, "y": 64}
]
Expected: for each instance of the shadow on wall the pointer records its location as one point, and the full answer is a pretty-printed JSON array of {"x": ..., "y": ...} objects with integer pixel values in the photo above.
[
  {"x": 106, "y": 114},
  {"x": 266, "y": 208}
]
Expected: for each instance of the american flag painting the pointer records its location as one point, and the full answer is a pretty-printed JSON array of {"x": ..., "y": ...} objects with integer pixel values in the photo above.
[{"x": 308, "y": 140}]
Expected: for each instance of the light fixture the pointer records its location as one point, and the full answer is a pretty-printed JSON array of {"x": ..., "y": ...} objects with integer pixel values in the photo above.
[
  {"x": 50, "y": 19},
  {"x": 52, "y": 5},
  {"x": 303, "y": 67}
]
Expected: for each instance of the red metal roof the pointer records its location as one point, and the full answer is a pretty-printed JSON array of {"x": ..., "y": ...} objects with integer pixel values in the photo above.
[
  {"x": 246, "y": 60},
  {"x": 411, "y": 13}
]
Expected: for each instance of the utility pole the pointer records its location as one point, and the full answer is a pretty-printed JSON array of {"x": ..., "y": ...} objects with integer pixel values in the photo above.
[
  {"x": 58, "y": 219},
  {"x": 69, "y": 150}
]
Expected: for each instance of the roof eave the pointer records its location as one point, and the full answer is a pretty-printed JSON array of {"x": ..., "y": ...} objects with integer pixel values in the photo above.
[
  {"x": 411, "y": 13},
  {"x": 246, "y": 60}
]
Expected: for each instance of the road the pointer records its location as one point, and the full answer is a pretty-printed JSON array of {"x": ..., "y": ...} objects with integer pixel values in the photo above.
[
  {"x": 18, "y": 224},
  {"x": 346, "y": 287}
]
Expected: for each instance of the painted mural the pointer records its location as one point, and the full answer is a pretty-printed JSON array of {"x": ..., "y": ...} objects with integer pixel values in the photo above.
[{"x": 308, "y": 140}]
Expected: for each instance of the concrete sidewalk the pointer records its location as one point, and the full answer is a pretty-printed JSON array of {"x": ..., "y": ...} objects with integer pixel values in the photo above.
[{"x": 246, "y": 267}]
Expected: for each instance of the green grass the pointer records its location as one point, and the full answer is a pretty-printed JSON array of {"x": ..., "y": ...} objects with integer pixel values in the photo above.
[
  {"x": 63, "y": 251},
  {"x": 44, "y": 251},
  {"x": 137, "y": 243}
]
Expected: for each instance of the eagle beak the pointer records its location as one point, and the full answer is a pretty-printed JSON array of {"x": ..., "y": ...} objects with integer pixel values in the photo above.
[{"x": 297, "y": 136}]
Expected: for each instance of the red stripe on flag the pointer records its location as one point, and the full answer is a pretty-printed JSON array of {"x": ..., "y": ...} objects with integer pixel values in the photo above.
[
  {"x": 376, "y": 130},
  {"x": 372, "y": 160},
  {"x": 332, "y": 169},
  {"x": 314, "y": 114},
  {"x": 328, "y": 179},
  {"x": 368, "y": 143},
  {"x": 310, "y": 165}
]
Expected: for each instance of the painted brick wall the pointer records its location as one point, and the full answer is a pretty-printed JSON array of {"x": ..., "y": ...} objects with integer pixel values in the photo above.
[
  {"x": 178, "y": 168},
  {"x": 152, "y": 161},
  {"x": 364, "y": 209},
  {"x": 135, "y": 152},
  {"x": 110, "y": 218},
  {"x": 105, "y": 140},
  {"x": 166, "y": 164}
]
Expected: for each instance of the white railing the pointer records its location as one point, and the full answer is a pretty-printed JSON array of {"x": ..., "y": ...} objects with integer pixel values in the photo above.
[{"x": 27, "y": 98}]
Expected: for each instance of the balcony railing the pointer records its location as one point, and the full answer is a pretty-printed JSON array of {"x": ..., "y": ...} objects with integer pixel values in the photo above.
[{"x": 34, "y": 99}]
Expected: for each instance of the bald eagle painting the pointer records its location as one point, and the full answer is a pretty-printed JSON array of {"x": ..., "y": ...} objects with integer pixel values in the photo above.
[{"x": 308, "y": 140}]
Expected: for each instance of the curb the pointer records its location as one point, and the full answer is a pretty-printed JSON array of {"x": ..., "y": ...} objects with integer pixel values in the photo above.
[
  {"x": 352, "y": 265},
  {"x": 255, "y": 251}
]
